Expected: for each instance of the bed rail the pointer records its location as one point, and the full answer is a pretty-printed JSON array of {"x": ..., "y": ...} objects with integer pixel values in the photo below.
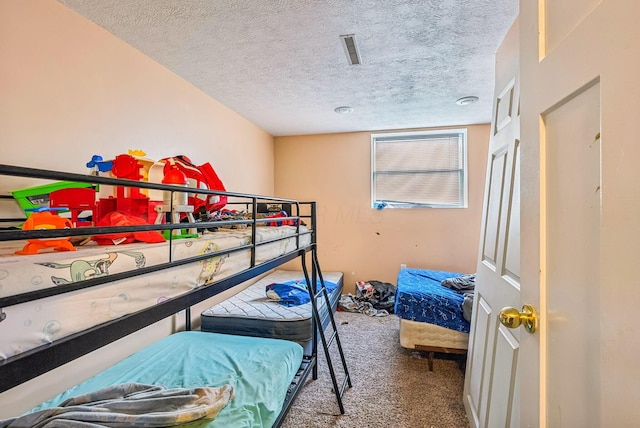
[{"x": 34, "y": 362}]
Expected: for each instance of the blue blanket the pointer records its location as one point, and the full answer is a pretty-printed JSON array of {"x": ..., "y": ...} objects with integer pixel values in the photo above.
[
  {"x": 421, "y": 297},
  {"x": 295, "y": 292}
]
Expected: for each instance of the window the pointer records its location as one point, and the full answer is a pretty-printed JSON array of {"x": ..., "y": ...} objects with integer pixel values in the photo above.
[{"x": 419, "y": 169}]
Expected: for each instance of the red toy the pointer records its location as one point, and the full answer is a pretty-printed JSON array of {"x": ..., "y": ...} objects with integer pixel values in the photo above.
[
  {"x": 121, "y": 219},
  {"x": 127, "y": 167},
  {"x": 76, "y": 201},
  {"x": 127, "y": 200},
  {"x": 280, "y": 222},
  {"x": 201, "y": 177}
]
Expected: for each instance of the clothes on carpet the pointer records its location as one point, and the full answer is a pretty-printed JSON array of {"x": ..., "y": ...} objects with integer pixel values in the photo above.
[
  {"x": 130, "y": 404},
  {"x": 350, "y": 303},
  {"x": 381, "y": 295}
]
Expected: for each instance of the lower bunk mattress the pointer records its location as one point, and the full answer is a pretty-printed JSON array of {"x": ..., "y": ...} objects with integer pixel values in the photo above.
[
  {"x": 259, "y": 370},
  {"x": 251, "y": 313},
  {"x": 430, "y": 314}
]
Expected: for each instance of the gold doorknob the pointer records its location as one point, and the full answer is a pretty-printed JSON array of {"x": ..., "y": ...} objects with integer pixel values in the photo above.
[{"x": 513, "y": 318}]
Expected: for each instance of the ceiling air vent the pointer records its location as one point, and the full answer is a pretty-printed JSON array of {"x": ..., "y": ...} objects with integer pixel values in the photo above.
[{"x": 351, "y": 49}]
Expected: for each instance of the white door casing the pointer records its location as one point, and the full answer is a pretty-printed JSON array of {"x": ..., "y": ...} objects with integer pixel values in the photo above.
[
  {"x": 580, "y": 234},
  {"x": 579, "y": 68},
  {"x": 491, "y": 389}
]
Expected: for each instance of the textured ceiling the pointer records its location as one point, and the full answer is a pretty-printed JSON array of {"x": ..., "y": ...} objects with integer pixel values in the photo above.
[{"x": 280, "y": 63}]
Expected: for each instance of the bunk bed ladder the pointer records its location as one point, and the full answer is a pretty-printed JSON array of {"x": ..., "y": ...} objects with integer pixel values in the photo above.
[{"x": 334, "y": 337}]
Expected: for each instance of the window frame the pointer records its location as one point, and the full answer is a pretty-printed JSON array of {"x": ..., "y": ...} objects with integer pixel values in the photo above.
[{"x": 422, "y": 135}]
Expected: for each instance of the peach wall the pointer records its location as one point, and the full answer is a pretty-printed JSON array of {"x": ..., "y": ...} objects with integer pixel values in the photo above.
[
  {"x": 68, "y": 90},
  {"x": 365, "y": 243}
]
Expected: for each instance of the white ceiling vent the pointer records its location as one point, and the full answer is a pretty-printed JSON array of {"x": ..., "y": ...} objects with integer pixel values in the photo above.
[{"x": 351, "y": 49}]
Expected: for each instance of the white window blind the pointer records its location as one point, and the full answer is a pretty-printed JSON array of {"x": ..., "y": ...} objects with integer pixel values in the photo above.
[{"x": 424, "y": 169}]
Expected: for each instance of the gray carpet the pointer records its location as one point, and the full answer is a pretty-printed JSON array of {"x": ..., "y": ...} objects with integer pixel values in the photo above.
[{"x": 392, "y": 386}]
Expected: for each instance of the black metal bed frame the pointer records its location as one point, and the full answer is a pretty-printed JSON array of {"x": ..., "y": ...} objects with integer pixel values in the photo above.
[{"x": 23, "y": 367}]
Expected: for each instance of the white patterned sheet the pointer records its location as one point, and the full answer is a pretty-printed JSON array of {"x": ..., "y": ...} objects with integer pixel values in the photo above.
[{"x": 38, "y": 322}]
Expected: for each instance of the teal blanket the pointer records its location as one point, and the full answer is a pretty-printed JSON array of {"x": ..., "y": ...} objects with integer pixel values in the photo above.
[{"x": 259, "y": 370}]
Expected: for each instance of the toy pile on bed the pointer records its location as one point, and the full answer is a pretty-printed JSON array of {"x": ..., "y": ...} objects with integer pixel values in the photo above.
[
  {"x": 230, "y": 215},
  {"x": 106, "y": 205}
]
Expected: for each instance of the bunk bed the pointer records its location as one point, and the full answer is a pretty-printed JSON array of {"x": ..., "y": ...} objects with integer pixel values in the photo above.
[
  {"x": 431, "y": 315},
  {"x": 56, "y": 306}
]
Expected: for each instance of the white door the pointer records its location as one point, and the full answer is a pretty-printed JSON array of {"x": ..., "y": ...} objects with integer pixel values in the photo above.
[
  {"x": 490, "y": 393},
  {"x": 580, "y": 125},
  {"x": 580, "y": 228}
]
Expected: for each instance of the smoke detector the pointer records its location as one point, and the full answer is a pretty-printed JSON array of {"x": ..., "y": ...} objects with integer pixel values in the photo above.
[
  {"x": 466, "y": 100},
  {"x": 343, "y": 109}
]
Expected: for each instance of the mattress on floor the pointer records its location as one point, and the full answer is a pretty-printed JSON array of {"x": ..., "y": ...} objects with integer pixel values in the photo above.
[
  {"x": 421, "y": 297},
  {"x": 251, "y": 313},
  {"x": 414, "y": 333},
  {"x": 260, "y": 371}
]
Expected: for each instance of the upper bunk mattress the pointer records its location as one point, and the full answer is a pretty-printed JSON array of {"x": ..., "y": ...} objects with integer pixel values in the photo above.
[
  {"x": 421, "y": 297},
  {"x": 28, "y": 325},
  {"x": 251, "y": 313},
  {"x": 259, "y": 370}
]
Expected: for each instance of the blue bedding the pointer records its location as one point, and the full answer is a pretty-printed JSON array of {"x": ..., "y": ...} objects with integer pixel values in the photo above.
[
  {"x": 421, "y": 297},
  {"x": 294, "y": 292},
  {"x": 260, "y": 371}
]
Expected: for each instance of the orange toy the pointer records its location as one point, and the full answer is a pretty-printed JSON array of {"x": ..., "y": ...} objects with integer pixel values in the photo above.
[{"x": 46, "y": 220}]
